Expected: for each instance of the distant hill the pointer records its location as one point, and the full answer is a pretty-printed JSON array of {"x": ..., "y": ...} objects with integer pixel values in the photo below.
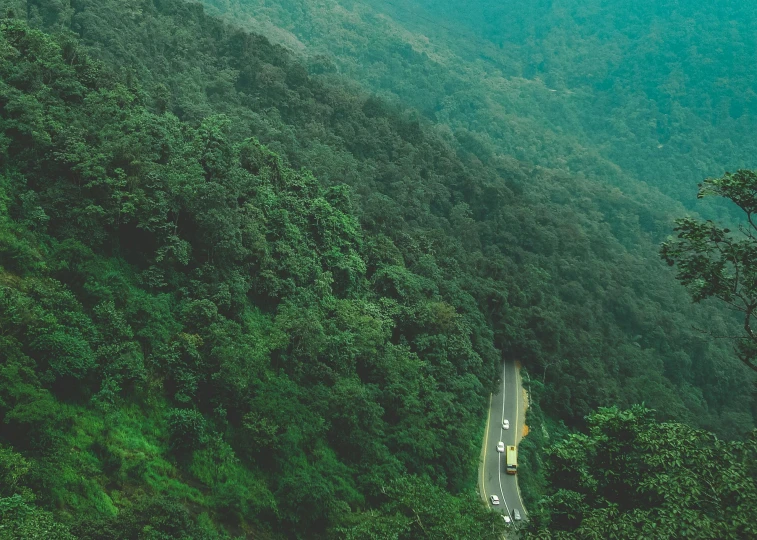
[{"x": 618, "y": 91}]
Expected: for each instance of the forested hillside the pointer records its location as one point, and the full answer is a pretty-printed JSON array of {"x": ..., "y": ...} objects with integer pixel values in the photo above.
[
  {"x": 622, "y": 92},
  {"x": 240, "y": 298},
  {"x": 558, "y": 240},
  {"x": 664, "y": 89}
]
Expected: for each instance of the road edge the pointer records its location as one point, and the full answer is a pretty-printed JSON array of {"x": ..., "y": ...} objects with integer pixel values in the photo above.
[
  {"x": 482, "y": 457},
  {"x": 521, "y": 424}
]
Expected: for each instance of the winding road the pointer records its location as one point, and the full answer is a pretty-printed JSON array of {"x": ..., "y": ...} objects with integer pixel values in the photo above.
[{"x": 507, "y": 403}]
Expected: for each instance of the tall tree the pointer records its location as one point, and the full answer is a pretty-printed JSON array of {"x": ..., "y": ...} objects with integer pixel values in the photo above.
[{"x": 715, "y": 262}]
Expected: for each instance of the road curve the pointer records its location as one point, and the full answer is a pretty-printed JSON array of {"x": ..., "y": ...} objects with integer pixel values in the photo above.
[{"x": 493, "y": 480}]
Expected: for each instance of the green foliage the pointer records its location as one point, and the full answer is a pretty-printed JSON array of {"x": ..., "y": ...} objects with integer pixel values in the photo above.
[
  {"x": 571, "y": 259},
  {"x": 192, "y": 262},
  {"x": 542, "y": 432},
  {"x": 413, "y": 507},
  {"x": 156, "y": 519},
  {"x": 187, "y": 430},
  {"x": 714, "y": 263},
  {"x": 13, "y": 467},
  {"x": 619, "y": 92},
  {"x": 20, "y": 520},
  {"x": 631, "y": 476}
]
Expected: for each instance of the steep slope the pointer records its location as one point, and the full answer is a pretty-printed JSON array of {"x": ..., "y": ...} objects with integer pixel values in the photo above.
[
  {"x": 201, "y": 335},
  {"x": 666, "y": 89},
  {"x": 649, "y": 98},
  {"x": 196, "y": 334},
  {"x": 589, "y": 241}
]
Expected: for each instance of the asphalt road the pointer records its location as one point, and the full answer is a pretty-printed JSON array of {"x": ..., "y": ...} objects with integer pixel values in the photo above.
[{"x": 506, "y": 403}]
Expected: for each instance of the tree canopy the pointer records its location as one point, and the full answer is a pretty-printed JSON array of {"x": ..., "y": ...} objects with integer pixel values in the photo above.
[
  {"x": 713, "y": 262},
  {"x": 631, "y": 477}
]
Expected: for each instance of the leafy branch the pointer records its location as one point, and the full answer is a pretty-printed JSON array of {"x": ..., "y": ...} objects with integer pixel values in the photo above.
[{"x": 712, "y": 262}]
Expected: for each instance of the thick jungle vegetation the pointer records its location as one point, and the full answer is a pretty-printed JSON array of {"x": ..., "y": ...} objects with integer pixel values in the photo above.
[
  {"x": 648, "y": 96},
  {"x": 239, "y": 298},
  {"x": 631, "y": 477}
]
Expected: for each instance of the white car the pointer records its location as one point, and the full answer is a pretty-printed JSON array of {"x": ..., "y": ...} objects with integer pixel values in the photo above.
[
  {"x": 505, "y": 424},
  {"x": 500, "y": 446},
  {"x": 494, "y": 499},
  {"x": 507, "y": 519}
]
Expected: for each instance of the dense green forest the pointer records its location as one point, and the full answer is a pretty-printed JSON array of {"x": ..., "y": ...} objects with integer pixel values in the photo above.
[
  {"x": 241, "y": 296},
  {"x": 631, "y": 477},
  {"x": 662, "y": 89},
  {"x": 622, "y": 92}
]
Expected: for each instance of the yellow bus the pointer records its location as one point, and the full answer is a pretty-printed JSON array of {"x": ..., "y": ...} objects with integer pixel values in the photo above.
[{"x": 512, "y": 460}]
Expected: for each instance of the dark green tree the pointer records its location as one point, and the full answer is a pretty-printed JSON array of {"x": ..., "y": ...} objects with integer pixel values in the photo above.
[
  {"x": 631, "y": 477},
  {"x": 714, "y": 262}
]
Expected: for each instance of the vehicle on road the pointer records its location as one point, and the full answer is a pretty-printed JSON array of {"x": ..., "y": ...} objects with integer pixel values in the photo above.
[
  {"x": 516, "y": 514},
  {"x": 500, "y": 446},
  {"x": 512, "y": 460},
  {"x": 505, "y": 424},
  {"x": 494, "y": 499},
  {"x": 507, "y": 519}
]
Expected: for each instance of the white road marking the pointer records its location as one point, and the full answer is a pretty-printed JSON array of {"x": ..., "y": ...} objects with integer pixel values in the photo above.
[{"x": 499, "y": 459}]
